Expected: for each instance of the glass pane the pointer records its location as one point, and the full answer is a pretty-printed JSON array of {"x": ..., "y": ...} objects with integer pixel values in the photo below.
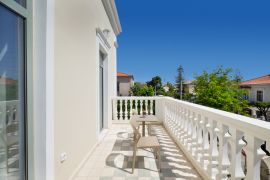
[
  {"x": 21, "y": 2},
  {"x": 101, "y": 90},
  {"x": 12, "y": 121}
]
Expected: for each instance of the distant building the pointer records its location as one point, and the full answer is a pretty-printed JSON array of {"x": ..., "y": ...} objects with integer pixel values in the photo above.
[
  {"x": 188, "y": 86},
  {"x": 258, "y": 89},
  {"x": 124, "y": 83},
  {"x": 166, "y": 88}
]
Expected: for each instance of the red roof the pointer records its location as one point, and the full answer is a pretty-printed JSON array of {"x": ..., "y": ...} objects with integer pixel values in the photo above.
[
  {"x": 120, "y": 74},
  {"x": 7, "y": 81},
  {"x": 258, "y": 81}
]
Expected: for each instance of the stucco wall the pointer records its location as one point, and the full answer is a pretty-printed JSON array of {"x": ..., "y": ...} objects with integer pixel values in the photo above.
[
  {"x": 264, "y": 88},
  {"x": 125, "y": 84},
  {"x": 77, "y": 80}
]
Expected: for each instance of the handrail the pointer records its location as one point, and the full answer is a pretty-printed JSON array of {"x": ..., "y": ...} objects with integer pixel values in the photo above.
[{"x": 219, "y": 144}]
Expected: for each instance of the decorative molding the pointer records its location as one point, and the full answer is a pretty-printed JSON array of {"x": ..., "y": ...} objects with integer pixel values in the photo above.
[
  {"x": 112, "y": 13},
  {"x": 102, "y": 38}
]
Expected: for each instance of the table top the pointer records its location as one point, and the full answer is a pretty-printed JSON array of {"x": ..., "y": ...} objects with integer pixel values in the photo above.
[{"x": 147, "y": 118}]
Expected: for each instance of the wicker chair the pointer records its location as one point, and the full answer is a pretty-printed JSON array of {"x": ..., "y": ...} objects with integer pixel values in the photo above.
[{"x": 144, "y": 142}]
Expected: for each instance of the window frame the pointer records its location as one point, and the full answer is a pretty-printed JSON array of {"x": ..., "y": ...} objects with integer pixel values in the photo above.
[
  {"x": 261, "y": 95},
  {"x": 27, "y": 14}
]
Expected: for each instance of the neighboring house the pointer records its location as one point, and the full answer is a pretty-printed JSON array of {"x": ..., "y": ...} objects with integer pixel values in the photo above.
[
  {"x": 124, "y": 84},
  {"x": 189, "y": 86},
  {"x": 258, "y": 89},
  {"x": 63, "y": 56}
]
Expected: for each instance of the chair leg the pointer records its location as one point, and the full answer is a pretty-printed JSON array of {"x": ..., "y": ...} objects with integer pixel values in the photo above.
[
  {"x": 134, "y": 159},
  {"x": 159, "y": 160},
  {"x": 156, "y": 153}
]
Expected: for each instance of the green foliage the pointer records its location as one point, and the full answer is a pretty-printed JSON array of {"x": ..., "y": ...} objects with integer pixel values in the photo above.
[
  {"x": 142, "y": 90},
  {"x": 263, "y": 108},
  {"x": 220, "y": 90},
  {"x": 155, "y": 82},
  {"x": 189, "y": 97},
  {"x": 9, "y": 92}
]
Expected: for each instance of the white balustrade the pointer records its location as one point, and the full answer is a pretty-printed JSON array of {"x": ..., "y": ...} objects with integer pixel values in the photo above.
[
  {"x": 125, "y": 107},
  {"x": 219, "y": 144}
]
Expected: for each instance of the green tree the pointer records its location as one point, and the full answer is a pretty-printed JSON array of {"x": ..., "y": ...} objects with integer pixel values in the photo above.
[
  {"x": 135, "y": 89},
  {"x": 220, "y": 90},
  {"x": 139, "y": 89},
  {"x": 147, "y": 91},
  {"x": 155, "y": 82},
  {"x": 179, "y": 81},
  {"x": 263, "y": 108}
]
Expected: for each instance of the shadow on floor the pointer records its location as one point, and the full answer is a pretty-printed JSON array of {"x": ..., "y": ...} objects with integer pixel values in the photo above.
[{"x": 173, "y": 162}]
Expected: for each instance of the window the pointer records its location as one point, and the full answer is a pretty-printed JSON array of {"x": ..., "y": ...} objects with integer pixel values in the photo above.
[
  {"x": 118, "y": 86},
  {"x": 260, "y": 96},
  {"x": 12, "y": 92}
]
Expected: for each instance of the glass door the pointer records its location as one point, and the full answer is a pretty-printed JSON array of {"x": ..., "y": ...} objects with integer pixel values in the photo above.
[
  {"x": 101, "y": 90},
  {"x": 12, "y": 95}
]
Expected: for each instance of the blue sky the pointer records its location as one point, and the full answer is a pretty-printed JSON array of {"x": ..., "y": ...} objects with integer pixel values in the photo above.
[{"x": 200, "y": 35}]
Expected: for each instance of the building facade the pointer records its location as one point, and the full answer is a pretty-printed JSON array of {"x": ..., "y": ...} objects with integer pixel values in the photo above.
[
  {"x": 258, "y": 89},
  {"x": 189, "y": 86},
  {"x": 124, "y": 84},
  {"x": 61, "y": 59}
]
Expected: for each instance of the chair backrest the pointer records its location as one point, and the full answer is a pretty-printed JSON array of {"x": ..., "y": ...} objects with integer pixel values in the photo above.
[{"x": 135, "y": 126}]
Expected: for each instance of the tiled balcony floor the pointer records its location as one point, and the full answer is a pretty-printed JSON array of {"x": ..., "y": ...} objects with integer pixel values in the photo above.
[{"x": 112, "y": 159}]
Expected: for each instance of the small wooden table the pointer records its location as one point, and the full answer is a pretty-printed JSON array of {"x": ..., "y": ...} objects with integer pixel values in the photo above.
[{"x": 143, "y": 119}]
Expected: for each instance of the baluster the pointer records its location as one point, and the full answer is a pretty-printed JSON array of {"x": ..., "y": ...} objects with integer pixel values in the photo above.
[
  {"x": 115, "y": 109},
  {"x": 173, "y": 118},
  {"x": 215, "y": 150},
  {"x": 254, "y": 156},
  {"x": 219, "y": 133},
  {"x": 210, "y": 130},
  {"x": 141, "y": 106},
  {"x": 121, "y": 110},
  {"x": 126, "y": 110},
  {"x": 237, "y": 144},
  {"x": 224, "y": 151},
  {"x": 178, "y": 121},
  {"x": 146, "y": 106},
  {"x": 200, "y": 139},
  {"x": 151, "y": 106},
  {"x": 136, "y": 106},
  {"x": 184, "y": 125},
  {"x": 131, "y": 108},
  {"x": 194, "y": 136},
  {"x": 205, "y": 144}
]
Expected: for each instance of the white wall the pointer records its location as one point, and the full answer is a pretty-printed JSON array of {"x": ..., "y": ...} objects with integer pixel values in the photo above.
[
  {"x": 76, "y": 83},
  {"x": 264, "y": 88},
  {"x": 125, "y": 83}
]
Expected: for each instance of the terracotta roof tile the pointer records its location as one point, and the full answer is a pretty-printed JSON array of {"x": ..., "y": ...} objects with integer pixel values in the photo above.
[
  {"x": 257, "y": 81},
  {"x": 120, "y": 74}
]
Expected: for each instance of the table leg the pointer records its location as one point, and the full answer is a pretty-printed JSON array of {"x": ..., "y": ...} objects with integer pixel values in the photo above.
[{"x": 143, "y": 128}]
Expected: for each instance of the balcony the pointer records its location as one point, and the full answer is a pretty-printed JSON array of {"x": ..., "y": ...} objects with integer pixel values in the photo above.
[{"x": 197, "y": 142}]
